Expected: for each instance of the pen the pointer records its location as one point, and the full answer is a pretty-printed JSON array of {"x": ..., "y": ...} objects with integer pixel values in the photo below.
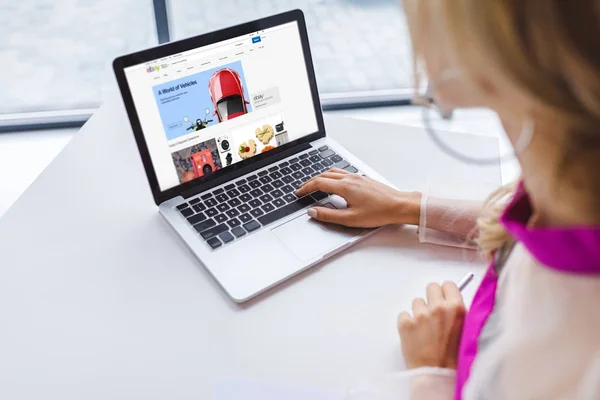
[{"x": 465, "y": 281}]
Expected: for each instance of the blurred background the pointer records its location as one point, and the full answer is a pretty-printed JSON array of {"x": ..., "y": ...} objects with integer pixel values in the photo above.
[{"x": 57, "y": 53}]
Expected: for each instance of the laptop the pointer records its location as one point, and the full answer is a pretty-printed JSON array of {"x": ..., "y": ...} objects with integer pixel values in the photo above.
[{"x": 229, "y": 125}]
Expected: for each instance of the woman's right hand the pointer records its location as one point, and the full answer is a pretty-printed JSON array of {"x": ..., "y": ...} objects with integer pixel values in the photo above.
[{"x": 370, "y": 204}]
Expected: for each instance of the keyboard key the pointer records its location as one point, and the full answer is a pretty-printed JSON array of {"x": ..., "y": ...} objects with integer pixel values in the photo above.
[
  {"x": 244, "y": 208},
  {"x": 182, "y": 206},
  {"x": 234, "y": 222},
  {"x": 296, "y": 167},
  {"x": 336, "y": 158},
  {"x": 251, "y": 177},
  {"x": 199, "y": 207},
  {"x": 214, "y": 243},
  {"x": 266, "y": 198},
  {"x": 263, "y": 173},
  {"x": 351, "y": 169},
  {"x": 245, "y": 218},
  {"x": 232, "y": 213},
  {"x": 256, "y": 193},
  {"x": 287, "y": 179},
  {"x": 306, "y": 163},
  {"x": 230, "y": 186},
  {"x": 318, "y": 166},
  {"x": 290, "y": 197},
  {"x": 233, "y": 193},
  {"x": 323, "y": 148},
  {"x": 341, "y": 165},
  {"x": 273, "y": 169},
  {"x": 186, "y": 212},
  {"x": 202, "y": 226},
  {"x": 223, "y": 207},
  {"x": 293, "y": 160},
  {"x": 244, "y": 188},
  {"x": 195, "y": 201},
  {"x": 240, "y": 182},
  {"x": 218, "y": 191},
  {"x": 226, "y": 237},
  {"x": 245, "y": 197},
  {"x": 296, "y": 185},
  {"x": 212, "y": 232},
  {"x": 222, "y": 198},
  {"x": 211, "y": 202},
  {"x": 313, "y": 152},
  {"x": 279, "y": 203},
  {"x": 211, "y": 212},
  {"x": 315, "y": 159},
  {"x": 283, "y": 212},
  {"x": 297, "y": 175},
  {"x": 234, "y": 202},
  {"x": 315, "y": 174},
  {"x": 277, "y": 184},
  {"x": 238, "y": 231},
  {"x": 268, "y": 207},
  {"x": 305, "y": 179},
  {"x": 275, "y": 175},
  {"x": 194, "y": 219},
  {"x": 303, "y": 156},
  {"x": 327, "y": 154},
  {"x": 252, "y": 226},
  {"x": 327, "y": 163},
  {"x": 221, "y": 218},
  {"x": 287, "y": 189},
  {"x": 255, "y": 203},
  {"x": 267, "y": 188},
  {"x": 276, "y": 193},
  {"x": 286, "y": 171},
  {"x": 255, "y": 184},
  {"x": 257, "y": 212},
  {"x": 206, "y": 196},
  {"x": 307, "y": 170},
  {"x": 318, "y": 195},
  {"x": 265, "y": 179},
  {"x": 284, "y": 164}
]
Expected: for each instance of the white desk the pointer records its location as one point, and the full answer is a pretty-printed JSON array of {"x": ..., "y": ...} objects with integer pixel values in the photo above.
[{"x": 99, "y": 299}]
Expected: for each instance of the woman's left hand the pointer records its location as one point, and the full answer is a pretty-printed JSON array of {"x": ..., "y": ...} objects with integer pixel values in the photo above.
[{"x": 431, "y": 336}]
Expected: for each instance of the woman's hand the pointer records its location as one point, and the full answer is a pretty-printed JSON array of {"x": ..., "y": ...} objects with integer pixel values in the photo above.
[
  {"x": 370, "y": 203},
  {"x": 430, "y": 338}
]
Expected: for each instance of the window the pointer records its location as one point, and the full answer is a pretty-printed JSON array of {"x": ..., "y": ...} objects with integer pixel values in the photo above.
[{"x": 57, "y": 55}]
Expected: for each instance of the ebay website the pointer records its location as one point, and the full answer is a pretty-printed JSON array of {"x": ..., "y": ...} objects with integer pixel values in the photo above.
[{"x": 208, "y": 108}]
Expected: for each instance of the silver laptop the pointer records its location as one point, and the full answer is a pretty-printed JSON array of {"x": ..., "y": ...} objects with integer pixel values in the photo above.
[{"x": 229, "y": 126}]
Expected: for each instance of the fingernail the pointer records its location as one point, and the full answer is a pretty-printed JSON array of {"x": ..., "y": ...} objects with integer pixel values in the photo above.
[{"x": 312, "y": 213}]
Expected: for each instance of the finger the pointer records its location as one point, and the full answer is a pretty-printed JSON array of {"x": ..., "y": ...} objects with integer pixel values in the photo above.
[
  {"x": 340, "y": 171},
  {"x": 405, "y": 321},
  {"x": 452, "y": 293},
  {"x": 334, "y": 216},
  {"x": 329, "y": 175},
  {"x": 419, "y": 307},
  {"x": 323, "y": 184},
  {"x": 434, "y": 294}
]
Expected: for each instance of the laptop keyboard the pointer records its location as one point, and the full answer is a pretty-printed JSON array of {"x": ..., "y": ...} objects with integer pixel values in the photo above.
[{"x": 229, "y": 213}]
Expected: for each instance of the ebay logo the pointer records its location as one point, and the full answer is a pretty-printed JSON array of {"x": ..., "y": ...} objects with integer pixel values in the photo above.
[{"x": 153, "y": 68}]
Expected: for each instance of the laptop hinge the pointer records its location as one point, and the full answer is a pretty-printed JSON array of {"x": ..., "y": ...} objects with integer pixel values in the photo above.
[{"x": 245, "y": 170}]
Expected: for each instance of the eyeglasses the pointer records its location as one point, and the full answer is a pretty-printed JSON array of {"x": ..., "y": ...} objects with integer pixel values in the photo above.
[{"x": 436, "y": 117}]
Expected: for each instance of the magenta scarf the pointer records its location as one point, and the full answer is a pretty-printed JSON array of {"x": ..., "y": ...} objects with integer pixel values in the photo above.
[{"x": 572, "y": 250}]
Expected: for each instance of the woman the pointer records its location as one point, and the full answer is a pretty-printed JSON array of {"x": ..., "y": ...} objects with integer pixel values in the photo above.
[{"x": 533, "y": 330}]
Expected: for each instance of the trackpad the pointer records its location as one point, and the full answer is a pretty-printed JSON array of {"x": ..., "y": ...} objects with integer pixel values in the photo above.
[{"x": 308, "y": 239}]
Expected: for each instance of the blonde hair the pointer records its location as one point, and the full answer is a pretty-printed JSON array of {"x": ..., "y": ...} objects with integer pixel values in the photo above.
[{"x": 548, "y": 51}]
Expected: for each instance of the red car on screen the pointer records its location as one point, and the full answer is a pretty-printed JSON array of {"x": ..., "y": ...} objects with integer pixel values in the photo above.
[{"x": 227, "y": 94}]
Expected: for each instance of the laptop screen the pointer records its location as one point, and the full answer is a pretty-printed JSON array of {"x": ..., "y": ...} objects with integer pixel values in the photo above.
[{"x": 208, "y": 108}]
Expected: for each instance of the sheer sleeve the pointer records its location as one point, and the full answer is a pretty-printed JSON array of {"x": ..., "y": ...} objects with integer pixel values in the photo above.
[
  {"x": 448, "y": 222},
  {"x": 416, "y": 384}
]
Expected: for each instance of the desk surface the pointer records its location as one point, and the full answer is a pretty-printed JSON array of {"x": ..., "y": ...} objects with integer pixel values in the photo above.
[{"x": 99, "y": 299}]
